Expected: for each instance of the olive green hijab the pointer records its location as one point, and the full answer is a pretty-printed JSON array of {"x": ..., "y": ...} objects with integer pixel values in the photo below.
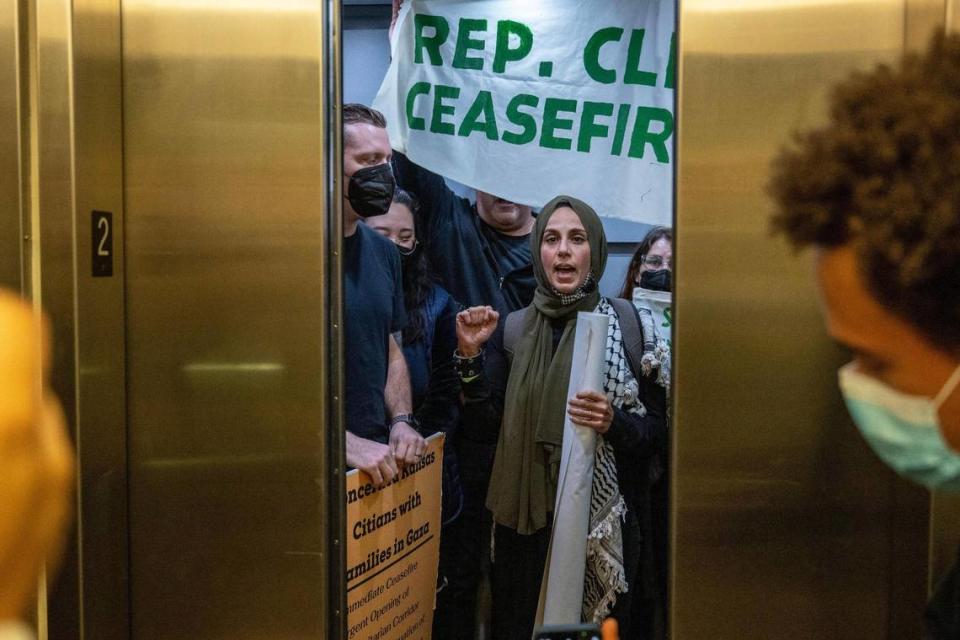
[{"x": 523, "y": 484}]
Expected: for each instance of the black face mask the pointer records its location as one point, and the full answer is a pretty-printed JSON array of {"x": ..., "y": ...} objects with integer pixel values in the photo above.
[
  {"x": 658, "y": 280},
  {"x": 371, "y": 190},
  {"x": 409, "y": 256}
]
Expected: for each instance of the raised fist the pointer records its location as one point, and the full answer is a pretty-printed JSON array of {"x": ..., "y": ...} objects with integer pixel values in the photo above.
[{"x": 474, "y": 327}]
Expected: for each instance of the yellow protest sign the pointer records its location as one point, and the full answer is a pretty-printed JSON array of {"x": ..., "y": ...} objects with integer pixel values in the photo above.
[{"x": 393, "y": 546}]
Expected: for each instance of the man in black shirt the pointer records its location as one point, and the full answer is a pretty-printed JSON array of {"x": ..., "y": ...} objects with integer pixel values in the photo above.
[
  {"x": 380, "y": 430},
  {"x": 481, "y": 252}
]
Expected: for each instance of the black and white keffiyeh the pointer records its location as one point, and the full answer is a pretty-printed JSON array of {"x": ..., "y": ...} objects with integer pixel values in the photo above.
[
  {"x": 579, "y": 293},
  {"x": 605, "y": 576}
]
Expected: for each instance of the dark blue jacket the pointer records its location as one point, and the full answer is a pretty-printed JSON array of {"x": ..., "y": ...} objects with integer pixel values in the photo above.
[
  {"x": 458, "y": 244},
  {"x": 435, "y": 388}
]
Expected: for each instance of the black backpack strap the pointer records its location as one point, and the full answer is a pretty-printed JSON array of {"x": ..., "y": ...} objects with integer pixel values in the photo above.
[
  {"x": 630, "y": 332},
  {"x": 511, "y": 329}
]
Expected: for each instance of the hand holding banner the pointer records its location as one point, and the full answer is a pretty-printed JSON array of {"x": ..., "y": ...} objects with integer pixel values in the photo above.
[{"x": 517, "y": 98}]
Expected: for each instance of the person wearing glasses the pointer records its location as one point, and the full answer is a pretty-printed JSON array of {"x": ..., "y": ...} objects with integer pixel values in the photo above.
[
  {"x": 652, "y": 263},
  {"x": 648, "y": 284},
  {"x": 428, "y": 342},
  {"x": 874, "y": 192}
]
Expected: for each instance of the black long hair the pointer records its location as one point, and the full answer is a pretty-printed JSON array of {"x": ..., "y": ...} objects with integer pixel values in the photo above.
[{"x": 418, "y": 279}]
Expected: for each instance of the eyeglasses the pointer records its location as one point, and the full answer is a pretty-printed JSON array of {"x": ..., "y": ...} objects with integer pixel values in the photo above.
[{"x": 656, "y": 262}]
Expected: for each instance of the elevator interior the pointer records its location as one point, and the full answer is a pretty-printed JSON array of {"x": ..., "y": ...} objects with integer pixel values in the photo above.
[{"x": 201, "y": 375}]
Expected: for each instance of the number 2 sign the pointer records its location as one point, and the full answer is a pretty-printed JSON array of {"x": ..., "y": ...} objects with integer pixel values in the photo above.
[{"x": 102, "y": 245}]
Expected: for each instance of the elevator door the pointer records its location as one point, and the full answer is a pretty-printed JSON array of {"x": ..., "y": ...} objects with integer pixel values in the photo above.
[{"x": 225, "y": 174}]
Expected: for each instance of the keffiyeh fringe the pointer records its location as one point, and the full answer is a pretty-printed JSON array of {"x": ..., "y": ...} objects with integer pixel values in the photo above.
[
  {"x": 656, "y": 350},
  {"x": 605, "y": 576}
]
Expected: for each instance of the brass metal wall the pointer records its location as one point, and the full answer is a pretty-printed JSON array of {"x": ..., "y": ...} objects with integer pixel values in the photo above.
[
  {"x": 953, "y": 15},
  {"x": 72, "y": 91},
  {"x": 785, "y": 524},
  {"x": 52, "y": 270},
  {"x": 100, "y": 330},
  {"x": 60, "y": 127},
  {"x": 10, "y": 148},
  {"x": 226, "y": 131}
]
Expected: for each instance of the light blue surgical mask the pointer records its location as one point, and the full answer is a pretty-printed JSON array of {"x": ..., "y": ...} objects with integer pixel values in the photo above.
[{"x": 903, "y": 429}]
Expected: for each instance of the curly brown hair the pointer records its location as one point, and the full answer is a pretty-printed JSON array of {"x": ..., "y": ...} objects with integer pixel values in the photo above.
[{"x": 884, "y": 176}]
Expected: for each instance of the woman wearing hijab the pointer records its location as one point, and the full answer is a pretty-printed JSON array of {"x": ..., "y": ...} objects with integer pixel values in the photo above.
[{"x": 525, "y": 392}]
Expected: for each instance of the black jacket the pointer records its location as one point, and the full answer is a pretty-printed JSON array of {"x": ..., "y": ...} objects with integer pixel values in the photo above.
[
  {"x": 458, "y": 244},
  {"x": 635, "y": 439}
]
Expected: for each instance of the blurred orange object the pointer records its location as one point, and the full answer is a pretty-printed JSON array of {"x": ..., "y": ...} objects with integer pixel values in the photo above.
[
  {"x": 610, "y": 630},
  {"x": 35, "y": 457}
]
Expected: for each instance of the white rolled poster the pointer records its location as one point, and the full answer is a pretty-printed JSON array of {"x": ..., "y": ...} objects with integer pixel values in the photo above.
[{"x": 561, "y": 592}]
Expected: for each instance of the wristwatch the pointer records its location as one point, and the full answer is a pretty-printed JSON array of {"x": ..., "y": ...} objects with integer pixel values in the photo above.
[{"x": 409, "y": 418}]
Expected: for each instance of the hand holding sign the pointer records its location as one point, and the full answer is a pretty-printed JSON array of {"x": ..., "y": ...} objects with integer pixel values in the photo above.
[
  {"x": 406, "y": 444},
  {"x": 373, "y": 458}
]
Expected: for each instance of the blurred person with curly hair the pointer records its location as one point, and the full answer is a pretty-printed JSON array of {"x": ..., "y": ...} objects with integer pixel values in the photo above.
[{"x": 877, "y": 192}]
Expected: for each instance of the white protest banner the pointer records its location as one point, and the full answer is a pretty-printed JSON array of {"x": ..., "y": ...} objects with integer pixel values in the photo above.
[
  {"x": 527, "y": 100},
  {"x": 393, "y": 547}
]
